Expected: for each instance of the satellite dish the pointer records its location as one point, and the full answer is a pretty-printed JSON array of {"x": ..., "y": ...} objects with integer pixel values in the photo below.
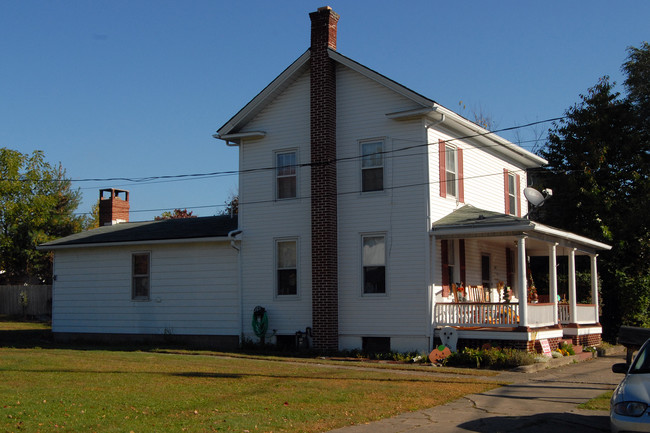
[{"x": 534, "y": 197}]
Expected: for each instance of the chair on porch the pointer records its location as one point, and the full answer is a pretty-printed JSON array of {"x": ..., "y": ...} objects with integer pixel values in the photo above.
[
  {"x": 476, "y": 294},
  {"x": 454, "y": 290}
]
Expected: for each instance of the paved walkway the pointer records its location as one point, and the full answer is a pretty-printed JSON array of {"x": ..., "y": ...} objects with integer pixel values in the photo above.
[{"x": 540, "y": 402}]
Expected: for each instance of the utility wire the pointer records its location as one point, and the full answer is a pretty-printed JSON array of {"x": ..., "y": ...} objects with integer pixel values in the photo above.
[{"x": 193, "y": 176}]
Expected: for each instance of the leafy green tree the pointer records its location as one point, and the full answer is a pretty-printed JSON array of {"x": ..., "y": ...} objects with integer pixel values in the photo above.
[
  {"x": 599, "y": 170},
  {"x": 231, "y": 205},
  {"x": 177, "y": 213},
  {"x": 37, "y": 205}
]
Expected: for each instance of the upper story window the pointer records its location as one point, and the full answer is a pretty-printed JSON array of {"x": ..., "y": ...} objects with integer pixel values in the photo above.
[
  {"x": 451, "y": 170},
  {"x": 374, "y": 264},
  {"x": 372, "y": 166},
  {"x": 285, "y": 163},
  {"x": 287, "y": 267},
  {"x": 511, "y": 187},
  {"x": 140, "y": 276},
  {"x": 512, "y": 197}
]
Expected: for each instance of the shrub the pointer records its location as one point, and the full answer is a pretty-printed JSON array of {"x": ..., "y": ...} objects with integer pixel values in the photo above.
[{"x": 494, "y": 358}]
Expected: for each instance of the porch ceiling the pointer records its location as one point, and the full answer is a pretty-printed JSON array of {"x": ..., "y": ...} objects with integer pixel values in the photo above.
[{"x": 471, "y": 222}]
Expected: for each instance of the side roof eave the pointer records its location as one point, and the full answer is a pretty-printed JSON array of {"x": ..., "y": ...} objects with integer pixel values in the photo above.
[{"x": 46, "y": 247}]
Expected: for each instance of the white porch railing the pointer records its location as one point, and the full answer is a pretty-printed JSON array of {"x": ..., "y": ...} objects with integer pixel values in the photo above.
[
  {"x": 507, "y": 315},
  {"x": 540, "y": 315},
  {"x": 586, "y": 314},
  {"x": 563, "y": 313},
  {"x": 476, "y": 314}
]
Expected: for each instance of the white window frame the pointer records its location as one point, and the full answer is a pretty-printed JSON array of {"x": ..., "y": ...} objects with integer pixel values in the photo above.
[
  {"x": 512, "y": 193},
  {"x": 277, "y": 175},
  {"x": 381, "y": 166},
  {"x": 277, "y": 268},
  {"x": 135, "y": 276},
  {"x": 365, "y": 236},
  {"x": 451, "y": 151}
]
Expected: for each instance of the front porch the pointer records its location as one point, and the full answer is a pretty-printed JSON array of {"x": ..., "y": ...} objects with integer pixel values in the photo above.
[{"x": 519, "y": 320}]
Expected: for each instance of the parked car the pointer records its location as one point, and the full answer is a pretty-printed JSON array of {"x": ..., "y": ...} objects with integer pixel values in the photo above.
[{"x": 630, "y": 404}]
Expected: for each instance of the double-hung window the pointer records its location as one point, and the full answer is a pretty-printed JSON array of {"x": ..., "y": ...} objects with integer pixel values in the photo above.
[
  {"x": 451, "y": 170},
  {"x": 511, "y": 190},
  {"x": 374, "y": 264},
  {"x": 285, "y": 163},
  {"x": 372, "y": 166},
  {"x": 140, "y": 276},
  {"x": 287, "y": 267},
  {"x": 512, "y": 194}
]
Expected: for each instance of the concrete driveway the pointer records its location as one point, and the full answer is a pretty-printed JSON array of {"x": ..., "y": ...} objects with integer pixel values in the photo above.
[{"x": 537, "y": 402}]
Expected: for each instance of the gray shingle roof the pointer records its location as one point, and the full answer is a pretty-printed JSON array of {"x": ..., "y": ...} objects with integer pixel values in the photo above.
[
  {"x": 470, "y": 216},
  {"x": 170, "y": 229}
]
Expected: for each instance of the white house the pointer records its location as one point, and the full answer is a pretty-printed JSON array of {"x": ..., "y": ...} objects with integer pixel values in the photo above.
[{"x": 361, "y": 202}]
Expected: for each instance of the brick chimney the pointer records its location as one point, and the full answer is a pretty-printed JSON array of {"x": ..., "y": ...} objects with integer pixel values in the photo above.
[
  {"x": 324, "y": 248},
  {"x": 112, "y": 208}
]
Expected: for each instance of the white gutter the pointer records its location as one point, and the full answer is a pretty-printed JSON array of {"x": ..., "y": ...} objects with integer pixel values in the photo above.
[
  {"x": 571, "y": 236},
  {"x": 235, "y": 139}
]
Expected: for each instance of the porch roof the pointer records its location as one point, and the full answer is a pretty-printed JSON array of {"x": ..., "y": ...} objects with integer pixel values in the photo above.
[{"x": 471, "y": 222}]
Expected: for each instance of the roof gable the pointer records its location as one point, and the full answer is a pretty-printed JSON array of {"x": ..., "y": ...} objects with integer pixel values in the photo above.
[{"x": 234, "y": 130}]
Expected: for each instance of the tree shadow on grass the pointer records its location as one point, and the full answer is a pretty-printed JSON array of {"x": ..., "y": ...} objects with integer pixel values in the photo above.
[{"x": 540, "y": 423}]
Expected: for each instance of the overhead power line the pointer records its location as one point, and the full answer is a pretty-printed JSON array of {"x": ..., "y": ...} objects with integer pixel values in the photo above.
[{"x": 194, "y": 176}]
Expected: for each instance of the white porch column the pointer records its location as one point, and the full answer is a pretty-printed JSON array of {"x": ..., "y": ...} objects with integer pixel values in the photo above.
[
  {"x": 573, "y": 317},
  {"x": 594, "y": 282},
  {"x": 552, "y": 278},
  {"x": 522, "y": 283}
]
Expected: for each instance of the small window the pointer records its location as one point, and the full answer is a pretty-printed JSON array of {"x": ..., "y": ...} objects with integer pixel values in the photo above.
[
  {"x": 372, "y": 166},
  {"x": 512, "y": 194},
  {"x": 285, "y": 175},
  {"x": 375, "y": 344},
  {"x": 287, "y": 267},
  {"x": 140, "y": 276},
  {"x": 450, "y": 170},
  {"x": 374, "y": 264}
]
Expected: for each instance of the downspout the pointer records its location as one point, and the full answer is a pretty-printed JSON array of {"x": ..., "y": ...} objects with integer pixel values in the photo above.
[
  {"x": 240, "y": 291},
  {"x": 431, "y": 242}
]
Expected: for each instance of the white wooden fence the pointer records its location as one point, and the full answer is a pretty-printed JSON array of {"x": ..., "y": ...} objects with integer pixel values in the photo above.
[{"x": 38, "y": 300}]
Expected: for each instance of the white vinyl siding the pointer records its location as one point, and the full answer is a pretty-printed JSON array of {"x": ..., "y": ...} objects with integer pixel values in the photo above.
[
  {"x": 482, "y": 176},
  {"x": 263, "y": 221},
  {"x": 399, "y": 211},
  {"x": 193, "y": 291}
]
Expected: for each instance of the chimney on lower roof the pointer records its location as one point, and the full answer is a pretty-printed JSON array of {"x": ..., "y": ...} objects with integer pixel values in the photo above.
[{"x": 112, "y": 208}]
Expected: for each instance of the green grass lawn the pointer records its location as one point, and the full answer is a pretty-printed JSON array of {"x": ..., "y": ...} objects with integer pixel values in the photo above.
[
  {"x": 58, "y": 389},
  {"x": 599, "y": 403}
]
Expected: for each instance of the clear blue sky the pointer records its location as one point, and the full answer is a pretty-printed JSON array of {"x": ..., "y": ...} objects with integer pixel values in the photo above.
[{"x": 137, "y": 88}]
